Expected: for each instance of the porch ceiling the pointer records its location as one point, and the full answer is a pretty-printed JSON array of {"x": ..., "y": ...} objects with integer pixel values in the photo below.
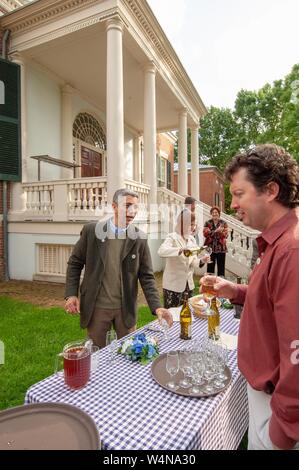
[{"x": 79, "y": 59}]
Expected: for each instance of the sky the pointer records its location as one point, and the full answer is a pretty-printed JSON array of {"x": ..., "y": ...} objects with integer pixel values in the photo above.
[{"x": 227, "y": 45}]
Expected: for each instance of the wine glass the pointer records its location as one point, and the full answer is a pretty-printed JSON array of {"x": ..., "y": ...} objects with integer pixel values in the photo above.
[
  {"x": 165, "y": 328},
  {"x": 186, "y": 368},
  {"x": 172, "y": 367},
  {"x": 223, "y": 358},
  {"x": 209, "y": 251},
  {"x": 207, "y": 286},
  {"x": 111, "y": 342},
  {"x": 198, "y": 367}
]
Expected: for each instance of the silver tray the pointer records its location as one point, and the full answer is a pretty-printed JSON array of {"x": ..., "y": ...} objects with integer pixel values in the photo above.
[
  {"x": 161, "y": 376},
  {"x": 47, "y": 426}
]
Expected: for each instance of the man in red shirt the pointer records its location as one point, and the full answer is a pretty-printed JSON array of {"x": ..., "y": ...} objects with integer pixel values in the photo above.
[{"x": 264, "y": 183}]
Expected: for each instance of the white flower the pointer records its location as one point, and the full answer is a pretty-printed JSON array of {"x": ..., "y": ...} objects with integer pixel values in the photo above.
[
  {"x": 126, "y": 345},
  {"x": 151, "y": 340}
]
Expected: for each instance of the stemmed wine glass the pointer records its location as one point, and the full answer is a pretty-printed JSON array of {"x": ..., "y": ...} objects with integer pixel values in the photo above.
[
  {"x": 165, "y": 328},
  {"x": 111, "y": 341},
  {"x": 186, "y": 368},
  {"x": 209, "y": 251},
  {"x": 198, "y": 367},
  {"x": 172, "y": 367}
]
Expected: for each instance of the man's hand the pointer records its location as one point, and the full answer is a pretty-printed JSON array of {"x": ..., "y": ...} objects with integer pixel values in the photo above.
[
  {"x": 223, "y": 287},
  {"x": 72, "y": 305},
  {"x": 163, "y": 313}
]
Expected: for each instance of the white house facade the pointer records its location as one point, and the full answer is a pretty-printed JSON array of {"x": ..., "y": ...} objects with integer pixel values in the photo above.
[{"x": 99, "y": 81}]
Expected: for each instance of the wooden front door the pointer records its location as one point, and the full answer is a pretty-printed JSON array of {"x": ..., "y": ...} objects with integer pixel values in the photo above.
[{"x": 91, "y": 163}]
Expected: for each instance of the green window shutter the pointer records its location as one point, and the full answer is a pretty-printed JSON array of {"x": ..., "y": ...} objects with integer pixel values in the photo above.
[{"x": 10, "y": 122}]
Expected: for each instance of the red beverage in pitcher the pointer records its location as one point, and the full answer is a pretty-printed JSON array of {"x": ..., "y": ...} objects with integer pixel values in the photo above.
[{"x": 76, "y": 367}]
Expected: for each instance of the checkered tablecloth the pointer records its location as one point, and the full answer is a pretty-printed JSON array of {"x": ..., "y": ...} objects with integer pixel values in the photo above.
[{"x": 133, "y": 412}]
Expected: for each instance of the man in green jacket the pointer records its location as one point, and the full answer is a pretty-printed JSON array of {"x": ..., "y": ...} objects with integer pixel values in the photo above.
[{"x": 115, "y": 255}]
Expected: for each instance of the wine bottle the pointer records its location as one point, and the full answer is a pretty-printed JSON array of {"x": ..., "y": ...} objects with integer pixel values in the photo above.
[
  {"x": 193, "y": 251},
  {"x": 214, "y": 320},
  {"x": 185, "y": 319}
]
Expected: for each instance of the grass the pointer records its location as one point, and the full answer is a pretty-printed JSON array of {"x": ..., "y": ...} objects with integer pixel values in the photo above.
[{"x": 32, "y": 337}]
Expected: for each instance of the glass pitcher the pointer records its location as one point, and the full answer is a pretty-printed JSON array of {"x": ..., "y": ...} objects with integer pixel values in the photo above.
[{"x": 76, "y": 363}]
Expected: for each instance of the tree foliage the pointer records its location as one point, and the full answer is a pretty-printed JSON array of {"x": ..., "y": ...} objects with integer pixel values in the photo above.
[
  {"x": 219, "y": 136},
  {"x": 268, "y": 115}
]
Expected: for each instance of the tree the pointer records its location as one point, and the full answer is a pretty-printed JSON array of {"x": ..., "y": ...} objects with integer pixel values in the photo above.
[
  {"x": 268, "y": 115},
  {"x": 219, "y": 136}
]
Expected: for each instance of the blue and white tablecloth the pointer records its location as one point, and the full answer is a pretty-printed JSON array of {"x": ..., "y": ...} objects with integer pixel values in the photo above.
[{"x": 133, "y": 412}]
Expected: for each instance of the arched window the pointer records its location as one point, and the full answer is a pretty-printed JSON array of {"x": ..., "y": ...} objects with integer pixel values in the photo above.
[{"x": 87, "y": 129}]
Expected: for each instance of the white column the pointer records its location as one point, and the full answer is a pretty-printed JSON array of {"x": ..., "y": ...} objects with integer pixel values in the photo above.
[
  {"x": 115, "y": 107},
  {"x": 18, "y": 59},
  {"x": 18, "y": 200},
  {"x": 67, "y": 130},
  {"x": 194, "y": 164},
  {"x": 182, "y": 154},
  {"x": 136, "y": 160},
  {"x": 150, "y": 131}
]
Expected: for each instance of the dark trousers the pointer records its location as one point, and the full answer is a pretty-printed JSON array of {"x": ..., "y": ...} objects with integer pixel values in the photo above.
[
  {"x": 175, "y": 299},
  {"x": 101, "y": 321},
  {"x": 218, "y": 258}
]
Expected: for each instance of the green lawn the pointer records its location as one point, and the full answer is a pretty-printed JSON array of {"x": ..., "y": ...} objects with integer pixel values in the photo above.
[{"x": 32, "y": 337}]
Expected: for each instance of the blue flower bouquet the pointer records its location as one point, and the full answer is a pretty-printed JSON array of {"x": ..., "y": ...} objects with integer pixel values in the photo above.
[{"x": 140, "y": 348}]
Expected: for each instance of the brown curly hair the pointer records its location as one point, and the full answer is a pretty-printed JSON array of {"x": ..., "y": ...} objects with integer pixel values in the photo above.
[{"x": 269, "y": 163}]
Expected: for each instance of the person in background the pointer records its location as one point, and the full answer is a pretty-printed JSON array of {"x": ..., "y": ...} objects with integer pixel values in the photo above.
[
  {"x": 179, "y": 269},
  {"x": 190, "y": 204},
  {"x": 215, "y": 232},
  {"x": 264, "y": 183},
  {"x": 115, "y": 255}
]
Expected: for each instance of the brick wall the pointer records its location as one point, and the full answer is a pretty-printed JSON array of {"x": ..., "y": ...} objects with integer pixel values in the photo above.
[
  {"x": 210, "y": 184},
  {"x": 1, "y": 228},
  {"x": 165, "y": 145}
]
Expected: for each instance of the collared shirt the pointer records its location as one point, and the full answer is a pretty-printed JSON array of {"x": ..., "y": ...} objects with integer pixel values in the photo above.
[
  {"x": 269, "y": 328},
  {"x": 118, "y": 231}
]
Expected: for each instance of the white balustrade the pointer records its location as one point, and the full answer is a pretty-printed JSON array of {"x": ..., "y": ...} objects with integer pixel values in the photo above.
[
  {"x": 79, "y": 199},
  {"x": 39, "y": 200},
  {"x": 143, "y": 191},
  {"x": 87, "y": 198}
]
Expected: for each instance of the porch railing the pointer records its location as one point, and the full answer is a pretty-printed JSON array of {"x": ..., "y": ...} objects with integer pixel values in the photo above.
[
  {"x": 86, "y": 199},
  {"x": 240, "y": 238},
  {"x": 77, "y": 199}
]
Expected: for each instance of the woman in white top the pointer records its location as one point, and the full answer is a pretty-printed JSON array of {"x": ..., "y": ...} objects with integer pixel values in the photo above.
[{"x": 179, "y": 269}]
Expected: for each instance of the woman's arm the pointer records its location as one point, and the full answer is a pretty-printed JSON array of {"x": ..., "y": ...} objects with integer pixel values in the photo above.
[{"x": 169, "y": 248}]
